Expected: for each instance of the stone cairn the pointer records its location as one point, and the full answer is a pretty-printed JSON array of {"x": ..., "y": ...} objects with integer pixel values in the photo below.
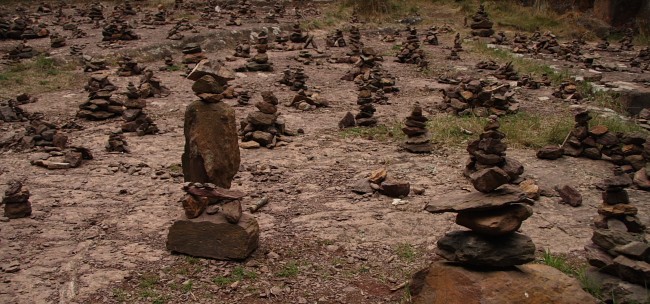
[
  {"x": 192, "y": 53},
  {"x": 493, "y": 215},
  {"x": 93, "y": 64},
  {"x": 175, "y": 33},
  {"x": 244, "y": 98},
  {"x": 118, "y": 29},
  {"x": 431, "y": 36},
  {"x": 418, "y": 137},
  {"x": 10, "y": 110},
  {"x": 135, "y": 118},
  {"x": 366, "y": 112},
  {"x": 127, "y": 9},
  {"x": 506, "y": 72},
  {"x": 117, "y": 143},
  {"x": 100, "y": 104},
  {"x": 96, "y": 11},
  {"x": 22, "y": 51},
  {"x": 410, "y": 51},
  {"x": 211, "y": 133},
  {"x": 363, "y": 64},
  {"x": 642, "y": 60},
  {"x": 481, "y": 24},
  {"x": 480, "y": 98},
  {"x": 234, "y": 20},
  {"x": 336, "y": 39},
  {"x": 297, "y": 36},
  {"x": 243, "y": 49},
  {"x": 619, "y": 246},
  {"x": 21, "y": 28},
  {"x": 487, "y": 65},
  {"x": 380, "y": 81},
  {"x": 259, "y": 62},
  {"x": 500, "y": 39},
  {"x": 355, "y": 42},
  {"x": 458, "y": 43},
  {"x": 264, "y": 127},
  {"x": 57, "y": 41},
  {"x": 151, "y": 86},
  {"x": 627, "y": 40},
  {"x": 567, "y": 91},
  {"x": 16, "y": 201},
  {"x": 128, "y": 67}
]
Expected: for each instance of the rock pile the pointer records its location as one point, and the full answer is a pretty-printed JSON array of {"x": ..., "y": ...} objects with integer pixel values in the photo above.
[
  {"x": 363, "y": 64},
  {"x": 244, "y": 98},
  {"x": 259, "y": 62},
  {"x": 366, "y": 111},
  {"x": 117, "y": 143},
  {"x": 135, "y": 118},
  {"x": 627, "y": 42},
  {"x": 480, "y": 98},
  {"x": 100, "y": 105},
  {"x": 96, "y": 11},
  {"x": 642, "y": 60},
  {"x": 567, "y": 91},
  {"x": 380, "y": 81},
  {"x": 506, "y": 72},
  {"x": 151, "y": 86},
  {"x": 11, "y": 112},
  {"x": 453, "y": 55},
  {"x": 264, "y": 127},
  {"x": 57, "y": 159},
  {"x": 500, "y": 39},
  {"x": 380, "y": 182},
  {"x": 418, "y": 137},
  {"x": 355, "y": 42},
  {"x": 619, "y": 246},
  {"x": 57, "y": 41},
  {"x": 297, "y": 36},
  {"x": 458, "y": 43},
  {"x": 243, "y": 49},
  {"x": 487, "y": 65},
  {"x": 22, "y": 51},
  {"x": 118, "y": 29},
  {"x": 234, "y": 20},
  {"x": 481, "y": 24},
  {"x": 336, "y": 39},
  {"x": 192, "y": 53},
  {"x": 93, "y": 64},
  {"x": 585, "y": 142},
  {"x": 16, "y": 201},
  {"x": 128, "y": 67},
  {"x": 431, "y": 37},
  {"x": 547, "y": 44},
  {"x": 410, "y": 51},
  {"x": 44, "y": 134},
  {"x": 21, "y": 28}
]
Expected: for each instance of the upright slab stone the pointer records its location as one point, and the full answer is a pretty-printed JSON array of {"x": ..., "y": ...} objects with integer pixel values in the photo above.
[
  {"x": 211, "y": 148},
  {"x": 212, "y": 236}
]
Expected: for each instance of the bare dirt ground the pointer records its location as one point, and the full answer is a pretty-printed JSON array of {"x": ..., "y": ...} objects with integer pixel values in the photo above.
[{"x": 98, "y": 236}]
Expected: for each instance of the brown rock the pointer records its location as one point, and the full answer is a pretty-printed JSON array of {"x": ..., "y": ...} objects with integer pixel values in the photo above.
[
  {"x": 232, "y": 211},
  {"x": 617, "y": 210},
  {"x": 641, "y": 179},
  {"x": 598, "y": 130},
  {"x": 266, "y": 107},
  {"x": 443, "y": 283},
  {"x": 531, "y": 189},
  {"x": 637, "y": 272},
  {"x": 512, "y": 167},
  {"x": 503, "y": 196},
  {"x": 495, "y": 222},
  {"x": 207, "y": 85},
  {"x": 18, "y": 210},
  {"x": 211, "y": 152},
  {"x": 550, "y": 152},
  {"x": 616, "y": 197},
  {"x": 378, "y": 176},
  {"x": 569, "y": 195},
  {"x": 392, "y": 188},
  {"x": 212, "y": 236},
  {"x": 489, "y": 179},
  {"x": 194, "y": 206},
  {"x": 347, "y": 121}
]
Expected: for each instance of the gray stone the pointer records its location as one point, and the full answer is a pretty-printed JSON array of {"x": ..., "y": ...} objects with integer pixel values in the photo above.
[
  {"x": 475, "y": 201},
  {"x": 470, "y": 248},
  {"x": 608, "y": 239},
  {"x": 487, "y": 180}
]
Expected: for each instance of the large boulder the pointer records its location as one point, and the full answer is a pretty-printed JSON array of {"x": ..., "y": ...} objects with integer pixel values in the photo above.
[
  {"x": 212, "y": 236},
  {"x": 471, "y": 248},
  {"x": 211, "y": 144},
  {"x": 442, "y": 283}
]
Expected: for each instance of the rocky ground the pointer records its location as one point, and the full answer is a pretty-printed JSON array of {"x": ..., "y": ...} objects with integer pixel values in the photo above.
[{"x": 97, "y": 233}]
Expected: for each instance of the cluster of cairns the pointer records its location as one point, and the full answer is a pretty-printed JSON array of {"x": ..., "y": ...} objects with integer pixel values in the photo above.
[
  {"x": 259, "y": 62},
  {"x": 263, "y": 128},
  {"x": 410, "y": 51},
  {"x": 380, "y": 182},
  {"x": 128, "y": 67},
  {"x": 415, "y": 127},
  {"x": 367, "y": 110},
  {"x": 627, "y": 42},
  {"x": 336, "y": 39},
  {"x": 205, "y": 230},
  {"x": 431, "y": 36},
  {"x": 192, "y": 53},
  {"x": 100, "y": 104},
  {"x": 480, "y": 98},
  {"x": 21, "y": 28},
  {"x": 16, "y": 200},
  {"x": 22, "y": 51},
  {"x": 151, "y": 86},
  {"x": 493, "y": 215},
  {"x": 567, "y": 91},
  {"x": 118, "y": 29},
  {"x": 481, "y": 24},
  {"x": 136, "y": 119},
  {"x": 117, "y": 143},
  {"x": 619, "y": 246}
]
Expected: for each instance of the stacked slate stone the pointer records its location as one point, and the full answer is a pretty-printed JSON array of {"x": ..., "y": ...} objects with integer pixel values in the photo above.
[
  {"x": 243, "y": 49},
  {"x": 627, "y": 40},
  {"x": 100, "y": 105},
  {"x": 234, "y": 20},
  {"x": 431, "y": 36},
  {"x": 136, "y": 119},
  {"x": 118, "y": 29},
  {"x": 57, "y": 41},
  {"x": 506, "y": 72},
  {"x": 363, "y": 64},
  {"x": 480, "y": 98},
  {"x": 481, "y": 24},
  {"x": 44, "y": 134},
  {"x": 264, "y": 127},
  {"x": 22, "y": 51},
  {"x": 21, "y": 28},
  {"x": 380, "y": 81},
  {"x": 182, "y": 25},
  {"x": 493, "y": 215},
  {"x": 410, "y": 51},
  {"x": 547, "y": 44},
  {"x": 11, "y": 112},
  {"x": 458, "y": 43},
  {"x": 210, "y": 81},
  {"x": 93, "y": 64},
  {"x": 244, "y": 98},
  {"x": 642, "y": 60},
  {"x": 259, "y": 62},
  {"x": 96, "y": 12},
  {"x": 128, "y": 67},
  {"x": 16, "y": 201},
  {"x": 619, "y": 246},
  {"x": 298, "y": 79},
  {"x": 355, "y": 42},
  {"x": 453, "y": 55},
  {"x": 366, "y": 111},
  {"x": 487, "y": 65},
  {"x": 127, "y": 8},
  {"x": 567, "y": 91},
  {"x": 192, "y": 53},
  {"x": 151, "y": 86},
  {"x": 500, "y": 39},
  {"x": 117, "y": 143},
  {"x": 336, "y": 39},
  {"x": 418, "y": 137}
]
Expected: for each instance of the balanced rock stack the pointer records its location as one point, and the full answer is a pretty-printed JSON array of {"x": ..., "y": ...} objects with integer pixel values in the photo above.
[
  {"x": 336, "y": 39},
  {"x": 93, "y": 64},
  {"x": 297, "y": 36},
  {"x": 243, "y": 49},
  {"x": 260, "y": 62},
  {"x": 151, "y": 86},
  {"x": 380, "y": 81},
  {"x": 431, "y": 36},
  {"x": 619, "y": 246},
  {"x": 642, "y": 60},
  {"x": 379, "y": 181},
  {"x": 418, "y": 137},
  {"x": 96, "y": 11},
  {"x": 211, "y": 134},
  {"x": 506, "y": 72},
  {"x": 128, "y": 67},
  {"x": 243, "y": 98},
  {"x": 136, "y": 119},
  {"x": 100, "y": 105},
  {"x": 481, "y": 24},
  {"x": 366, "y": 111},
  {"x": 118, "y": 29},
  {"x": 488, "y": 167},
  {"x": 363, "y": 64},
  {"x": 627, "y": 40},
  {"x": 567, "y": 91},
  {"x": 299, "y": 79},
  {"x": 44, "y": 134},
  {"x": 16, "y": 200},
  {"x": 57, "y": 40},
  {"x": 117, "y": 143},
  {"x": 22, "y": 51},
  {"x": 480, "y": 98},
  {"x": 355, "y": 42},
  {"x": 410, "y": 51},
  {"x": 263, "y": 127},
  {"x": 192, "y": 53},
  {"x": 234, "y": 20}
]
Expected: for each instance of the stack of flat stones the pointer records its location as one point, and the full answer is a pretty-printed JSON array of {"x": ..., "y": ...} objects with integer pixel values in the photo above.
[
  {"x": 117, "y": 143},
  {"x": 135, "y": 118},
  {"x": 93, "y": 64},
  {"x": 481, "y": 24},
  {"x": 243, "y": 49},
  {"x": 151, "y": 86},
  {"x": 21, "y": 28},
  {"x": 96, "y": 12},
  {"x": 489, "y": 167},
  {"x": 380, "y": 80},
  {"x": 363, "y": 64},
  {"x": 210, "y": 81},
  {"x": 22, "y": 51},
  {"x": 418, "y": 137},
  {"x": 355, "y": 42},
  {"x": 128, "y": 67},
  {"x": 619, "y": 245},
  {"x": 260, "y": 62},
  {"x": 506, "y": 72},
  {"x": 16, "y": 201},
  {"x": 298, "y": 79},
  {"x": 480, "y": 98},
  {"x": 642, "y": 60},
  {"x": 410, "y": 51},
  {"x": 431, "y": 36},
  {"x": 366, "y": 109},
  {"x": 264, "y": 127},
  {"x": 100, "y": 104},
  {"x": 627, "y": 40},
  {"x": 336, "y": 39},
  {"x": 567, "y": 91},
  {"x": 44, "y": 134},
  {"x": 57, "y": 40},
  {"x": 493, "y": 215},
  {"x": 192, "y": 53},
  {"x": 118, "y": 29}
]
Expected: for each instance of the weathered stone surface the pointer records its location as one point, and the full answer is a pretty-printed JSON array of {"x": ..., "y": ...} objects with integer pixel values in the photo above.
[
  {"x": 378, "y": 176},
  {"x": 194, "y": 206},
  {"x": 471, "y": 248},
  {"x": 615, "y": 290},
  {"x": 17, "y": 210},
  {"x": 347, "y": 121},
  {"x": 444, "y": 283},
  {"x": 641, "y": 179},
  {"x": 569, "y": 195},
  {"x": 636, "y": 250},
  {"x": 211, "y": 236},
  {"x": 608, "y": 239},
  {"x": 599, "y": 258},
  {"x": 637, "y": 272},
  {"x": 550, "y": 152},
  {"x": 512, "y": 167},
  {"x": 361, "y": 186},
  {"x": 207, "y": 85},
  {"x": 216, "y": 70},
  {"x": 503, "y": 196},
  {"x": 263, "y": 138},
  {"x": 495, "y": 222},
  {"x": 617, "y": 210},
  {"x": 394, "y": 188},
  {"x": 531, "y": 189},
  {"x": 489, "y": 179},
  {"x": 232, "y": 211},
  {"x": 211, "y": 152},
  {"x": 249, "y": 145},
  {"x": 616, "y": 197}
]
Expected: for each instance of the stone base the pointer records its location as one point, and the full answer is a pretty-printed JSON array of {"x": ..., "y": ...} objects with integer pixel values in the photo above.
[
  {"x": 18, "y": 210},
  {"x": 472, "y": 249},
  {"x": 442, "y": 283},
  {"x": 211, "y": 236}
]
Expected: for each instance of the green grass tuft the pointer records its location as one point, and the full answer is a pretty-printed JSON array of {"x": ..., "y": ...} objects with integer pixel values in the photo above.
[{"x": 289, "y": 270}]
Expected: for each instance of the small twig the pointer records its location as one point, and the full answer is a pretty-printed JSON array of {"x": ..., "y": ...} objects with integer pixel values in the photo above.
[
  {"x": 261, "y": 203},
  {"x": 400, "y": 286},
  {"x": 566, "y": 138}
]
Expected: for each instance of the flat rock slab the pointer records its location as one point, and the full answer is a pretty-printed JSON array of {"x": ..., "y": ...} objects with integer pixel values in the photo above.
[
  {"x": 503, "y": 196},
  {"x": 212, "y": 236},
  {"x": 443, "y": 283},
  {"x": 473, "y": 249}
]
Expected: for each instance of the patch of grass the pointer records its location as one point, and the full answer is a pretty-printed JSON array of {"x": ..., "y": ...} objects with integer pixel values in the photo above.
[
  {"x": 562, "y": 264},
  {"x": 149, "y": 281},
  {"x": 189, "y": 259},
  {"x": 405, "y": 252},
  {"x": 290, "y": 270},
  {"x": 187, "y": 287},
  {"x": 558, "y": 262},
  {"x": 406, "y": 297},
  {"x": 605, "y": 99},
  {"x": 120, "y": 295},
  {"x": 173, "y": 68},
  {"x": 616, "y": 124},
  {"x": 379, "y": 132},
  {"x": 238, "y": 274},
  {"x": 38, "y": 75}
]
